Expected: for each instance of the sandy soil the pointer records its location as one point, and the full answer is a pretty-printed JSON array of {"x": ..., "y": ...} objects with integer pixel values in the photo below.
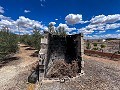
[{"x": 13, "y": 76}]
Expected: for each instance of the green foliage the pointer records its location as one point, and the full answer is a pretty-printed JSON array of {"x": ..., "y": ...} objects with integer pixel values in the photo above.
[
  {"x": 26, "y": 39},
  {"x": 95, "y": 48},
  {"x": 33, "y": 40},
  {"x": 95, "y": 44},
  {"x": 58, "y": 31},
  {"x": 102, "y": 46},
  {"x": 36, "y": 39},
  {"x": 61, "y": 31},
  {"x": 8, "y": 43},
  {"x": 88, "y": 46}
]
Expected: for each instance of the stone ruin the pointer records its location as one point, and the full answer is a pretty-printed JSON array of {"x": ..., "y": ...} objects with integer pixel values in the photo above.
[{"x": 64, "y": 49}]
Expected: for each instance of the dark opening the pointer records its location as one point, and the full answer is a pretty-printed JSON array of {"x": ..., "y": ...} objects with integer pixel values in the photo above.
[
  {"x": 61, "y": 47},
  {"x": 70, "y": 49}
]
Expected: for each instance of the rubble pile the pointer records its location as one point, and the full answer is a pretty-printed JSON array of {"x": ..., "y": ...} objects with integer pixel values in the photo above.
[{"x": 60, "y": 69}]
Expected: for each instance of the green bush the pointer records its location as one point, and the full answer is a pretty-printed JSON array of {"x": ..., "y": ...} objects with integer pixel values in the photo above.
[
  {"x": 102, "y": 46},
  {"x": 95, "y": 48},
  {"x": 95, "y": 44},
  {"x": 33, "y": 40},
  {"x": 26, "y": 39},
  {"x": 36, "y": 39},
  {"x": 88, "y": 45},
  {"x": 8, "y": 43}
]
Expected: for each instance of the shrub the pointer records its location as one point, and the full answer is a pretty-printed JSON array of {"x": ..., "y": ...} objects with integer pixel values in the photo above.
[
  {"x": 8, "y": 43},
  {"x": 95, "y": 44},
  {"x": 88, "y": 46},
  {"x": 102, "y": 46},
  {"x": 95, "y": 48},
  {"x": 33, "y": 40}
]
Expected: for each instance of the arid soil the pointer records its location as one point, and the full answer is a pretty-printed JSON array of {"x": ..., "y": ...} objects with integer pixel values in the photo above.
[
  {"x": 100, "y": 74},
  {"x": 14, "y": 74}
]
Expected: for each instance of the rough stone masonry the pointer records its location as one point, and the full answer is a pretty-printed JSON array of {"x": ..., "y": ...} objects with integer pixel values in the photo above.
[{"x": 67, "y": 48}]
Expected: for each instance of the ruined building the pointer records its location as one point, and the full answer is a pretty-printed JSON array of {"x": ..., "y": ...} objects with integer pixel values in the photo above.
[{"x": 56, "y": 47}]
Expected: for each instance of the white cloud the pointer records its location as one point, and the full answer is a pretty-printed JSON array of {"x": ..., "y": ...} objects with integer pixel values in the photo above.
[
  {"x": 56, "y": 19},
  {"x": 101, "y": 22},
  {"x": 102, "y": 36},
  {"x": 5, "y": 22},
  {"x": 1, "y": 10},
  {"x": 100, "y": 19},
  {"x": 63, "y": 25},
  {"x": 42, "y": 0},
  {"x": 26, "y": 22},
  {"x": 52, "y": 23},
  {"x": 67, "y": 29},
  {"x": 112, "y": 26},
  {"x": 85, "y": 31},
  {"x": 27, "y": 11},
  {"x": 103, "y": 27},
  {"x": 42, "y": 5},
  {"x": 90, "y": 28},
  {"x": 118, "y": 31},
  {"x": 26, "y": 25},
  {"x": 74, "y": 19},
  {"x": 101, "y": 32}
]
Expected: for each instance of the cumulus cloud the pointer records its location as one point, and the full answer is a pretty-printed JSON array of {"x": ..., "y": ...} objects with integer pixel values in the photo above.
[
  {"x": 52, "y": 23},
  {"x": 27, "y": 11},
  {"x": 101, "y": 22},
  {"x": 67, "y": 29},
  {"x": 101, "y": 32},
  {"x": 85, "y": 31},
  {"x": 26, "y": 22},
  {"x": 1, "y": 10},
  {"x": 4, "y": 18},
  {"x": 112, "y": 26},
  {"x": 91, "y": 28},
  {"x": 74, "y": 19},
  {"x": 118, "y": 31},
  {"x": 63, "y": 25},
  {"x": 5, "y": 23},
  {"x": 100, "y": 19},
  {"x": 26, "y": 25},
  {"x": 102, "y": 36}
]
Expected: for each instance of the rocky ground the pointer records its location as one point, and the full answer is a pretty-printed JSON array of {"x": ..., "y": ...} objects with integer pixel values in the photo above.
[
  {"x": 100, "y": 74},
  {"x": 14, "y": 74}
]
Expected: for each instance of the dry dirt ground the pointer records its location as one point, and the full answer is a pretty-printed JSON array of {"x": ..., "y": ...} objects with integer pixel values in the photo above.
[
  {"x": 100, "y": 74},
  {"x": 13, "y": 76}
]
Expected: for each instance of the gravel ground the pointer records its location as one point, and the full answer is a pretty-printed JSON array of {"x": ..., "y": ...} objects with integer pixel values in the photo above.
[
  {"x": 14, "y": 74},
  {"x": 99, "y": 75}
]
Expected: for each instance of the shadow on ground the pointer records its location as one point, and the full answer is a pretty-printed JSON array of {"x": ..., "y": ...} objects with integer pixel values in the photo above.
[
  {"x": 7, "y": 60},
  {"x": 35, "y": 54},
  {"x": 25, "y": 46}
]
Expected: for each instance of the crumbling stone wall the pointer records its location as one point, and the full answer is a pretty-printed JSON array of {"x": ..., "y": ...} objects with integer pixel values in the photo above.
[{"x": 68, "y": 48}]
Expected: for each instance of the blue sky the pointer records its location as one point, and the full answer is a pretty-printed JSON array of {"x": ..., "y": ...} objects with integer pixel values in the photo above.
[{"x": 94, "y": 18}]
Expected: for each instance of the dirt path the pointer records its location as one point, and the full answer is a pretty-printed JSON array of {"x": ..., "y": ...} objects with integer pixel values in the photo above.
[
  {"x": 13, "y": 76},
  {"x": 100, "y": 74}
]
